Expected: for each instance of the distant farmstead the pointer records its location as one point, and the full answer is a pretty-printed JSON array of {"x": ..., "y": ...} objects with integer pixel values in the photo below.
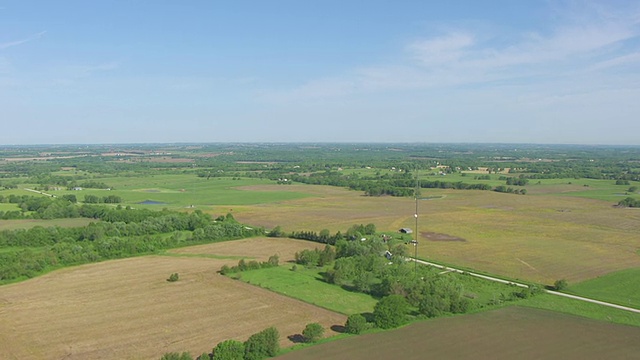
[{"x": 406, "y": 231}]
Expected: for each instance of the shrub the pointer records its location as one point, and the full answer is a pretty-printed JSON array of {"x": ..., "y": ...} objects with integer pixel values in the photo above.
[
  {"x": 312, "y": 332},
  {"x": 229, "y": 350},
  {"x": 356, "y": 324},
  {"x": 560, "y": 285},
  {"x": 176, "y": 356},
  {"x": 173, "y": 277}
]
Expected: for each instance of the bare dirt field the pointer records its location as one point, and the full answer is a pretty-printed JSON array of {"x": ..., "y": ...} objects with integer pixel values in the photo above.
[
  {"x": 125, "y": 309},
  {"x": 508, "y": 333},
  {"x": 539, "y": 238}
]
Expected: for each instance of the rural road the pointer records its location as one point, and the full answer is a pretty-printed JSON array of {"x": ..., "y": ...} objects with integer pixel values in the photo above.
[
  {"x": 39, "y": 192},
  {"x": 491, "y": 278}
]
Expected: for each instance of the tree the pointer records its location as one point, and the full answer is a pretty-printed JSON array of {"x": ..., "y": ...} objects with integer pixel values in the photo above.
[
  {"x": 229, "y": 350},
  {"x": 91, "y": 199},
  {"x": 261, "y": 345},
  {"x": 355, "y": 324},
  {"x": 633, "y": 189},
  {"x": 176, "y": 356},
  {"x": 391, "y": 312},
  {"x": 312, "y": 332},
  {"x": 71, "y": 198},
  {"x": 561, "y": 284},
  {"x": 173, "y": 277},
  {"x": 276, "y": 232}
]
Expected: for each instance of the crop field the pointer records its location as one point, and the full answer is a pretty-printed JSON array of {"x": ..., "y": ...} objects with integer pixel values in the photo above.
[
  {"x": 534, "y": 238},
  {"x": 621, "y": 287},
  {"x": 125, "y": 309},
  {"x": 507, "y": 333}
]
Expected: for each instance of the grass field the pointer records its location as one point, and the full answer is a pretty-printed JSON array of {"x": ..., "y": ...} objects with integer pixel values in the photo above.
[
  {"x": 29, "y": 223},
  {"x": 308, "y": 286},
  {"x": 507, "y": 333},
  {"x": 125, "y": 309},
  {"x": 621, "y": 287}
]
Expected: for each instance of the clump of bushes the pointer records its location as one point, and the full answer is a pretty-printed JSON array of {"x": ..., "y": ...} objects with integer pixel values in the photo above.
[
  {"x": 243, "y": 265},
  {"x": 560, "y": 285},
  {"x": 355, "y": 324},
  {"x": 173, "y": 277}
]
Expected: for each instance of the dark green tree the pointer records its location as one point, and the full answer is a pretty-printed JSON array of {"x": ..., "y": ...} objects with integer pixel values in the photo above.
[
  {"x": 355, "y": 324},
  {"x": 312, "y": 332},
  {"x": 261, "y": 345},
  {"x": 229, "y": 350},
  {"x": 391, "y": 312}
]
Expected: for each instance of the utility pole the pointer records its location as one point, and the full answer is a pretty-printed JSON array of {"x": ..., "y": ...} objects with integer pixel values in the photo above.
[{"x": 415, "y": 215}]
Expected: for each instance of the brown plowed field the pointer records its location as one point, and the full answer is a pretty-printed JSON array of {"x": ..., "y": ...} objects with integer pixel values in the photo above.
[
  {"x": 125, "y": 309},
  {"x": 508, "y": 333}
]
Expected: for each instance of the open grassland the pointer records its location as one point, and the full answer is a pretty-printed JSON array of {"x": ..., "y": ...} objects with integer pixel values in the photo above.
[
  {"x": 181, "y": 191},
  {"x": 534, "y": 238},
  {"x": 621, "y": 287},
  {"x": 307, "y": 285},
  {"x": 30, "y": 223},
  {"x": 125, "y": 309},
  {"x": 508, "y": 333}
]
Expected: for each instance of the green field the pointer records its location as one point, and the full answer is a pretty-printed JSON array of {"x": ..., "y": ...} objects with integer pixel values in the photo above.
[
  {"x": 582, "y": 308},
  {"x": 621, "y": 287},
  {"x": 307, "y": 285},
  {"x": 185, "y": 190}
]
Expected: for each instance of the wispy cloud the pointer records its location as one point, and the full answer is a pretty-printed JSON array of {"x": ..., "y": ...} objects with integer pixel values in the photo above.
[
  {"x": 9, "y": 44},
  {"x": 574, "y": 47}
]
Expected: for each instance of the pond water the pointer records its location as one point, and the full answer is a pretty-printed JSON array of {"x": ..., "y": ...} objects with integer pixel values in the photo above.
[{"x": 151, "y": 202}]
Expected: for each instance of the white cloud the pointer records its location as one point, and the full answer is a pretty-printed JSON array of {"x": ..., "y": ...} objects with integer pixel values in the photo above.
[
  {"x": 461, "y": 57},
  {"x": 9, "y": 44},
  {"x": 442, "y": 50}
]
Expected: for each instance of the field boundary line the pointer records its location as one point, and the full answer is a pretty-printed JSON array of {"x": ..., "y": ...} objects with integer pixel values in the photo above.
[{"x": 508, "y": 282}]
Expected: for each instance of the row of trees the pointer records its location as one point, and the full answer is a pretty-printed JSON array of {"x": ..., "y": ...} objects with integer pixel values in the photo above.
[
  {"x": 39, "y": 248},
  {"x": 243, "y": 265}
]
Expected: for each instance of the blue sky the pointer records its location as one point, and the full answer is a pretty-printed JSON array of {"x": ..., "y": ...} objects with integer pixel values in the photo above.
[{"x": 319, "y": 71}]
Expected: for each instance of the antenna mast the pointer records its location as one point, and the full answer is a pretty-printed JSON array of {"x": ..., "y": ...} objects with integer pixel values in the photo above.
[{"x": 415, "y": 241}]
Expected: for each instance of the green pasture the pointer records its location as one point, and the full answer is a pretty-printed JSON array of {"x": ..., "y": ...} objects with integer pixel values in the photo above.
[
  {"x": 582, "y": 308},
  {"x": 8, "y": 207},
  {"x": 180, "y": 191},
  {"x": 621, "y": 287},
  {"x": 307, "y": 285}
]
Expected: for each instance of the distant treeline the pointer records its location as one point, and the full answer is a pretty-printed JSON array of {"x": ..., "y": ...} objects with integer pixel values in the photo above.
[{"x": 122, "y": 233}]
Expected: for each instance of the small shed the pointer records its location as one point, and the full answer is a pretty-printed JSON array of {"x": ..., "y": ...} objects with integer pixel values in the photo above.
[{"x": 406, "y": 231}]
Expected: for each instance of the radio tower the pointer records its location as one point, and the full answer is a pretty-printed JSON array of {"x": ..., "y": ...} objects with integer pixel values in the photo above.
[{"x": 415, "y": 215}]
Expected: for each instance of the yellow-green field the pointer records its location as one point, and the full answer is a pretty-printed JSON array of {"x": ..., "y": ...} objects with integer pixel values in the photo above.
[{"x": 536, "y": 238}]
